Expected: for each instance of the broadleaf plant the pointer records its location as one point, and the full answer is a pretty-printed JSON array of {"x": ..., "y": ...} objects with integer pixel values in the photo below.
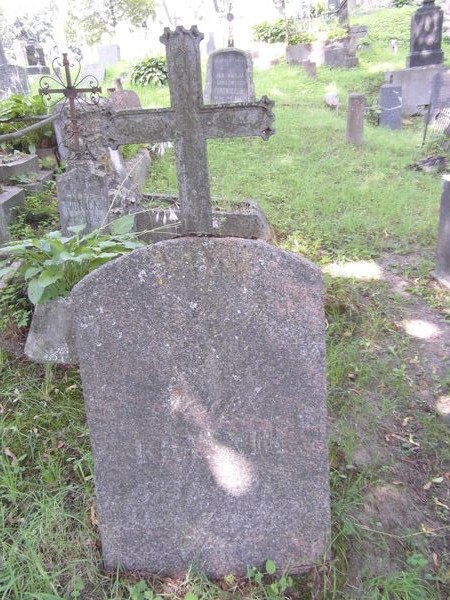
[{"x": 53, "y": 264}]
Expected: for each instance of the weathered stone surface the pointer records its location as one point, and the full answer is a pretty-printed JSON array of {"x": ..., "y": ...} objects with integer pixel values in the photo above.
[
  {"x": 355, "y": 119},
  {"x": 138, "y": 168},
  {"x": 93, "y": 70},
  {"x": 83, "y": 196},
  {"x": 391, "y": 106},
  {"x": 21, "y": 166},
  {"x": 229, "y": 77},
  {"x": 298, "y": 53},
  {"x": 124, "y": 100},
  {"x": 10, "y": 197},
  {"x": 337, "y": 54},
  {"x": 442, "y": 272},
  {"x": 426, "y": 36},
  {"x": 189, "y": 124},
  {"x": 51, "y": 336},
  {"x": 416, "y": 87},
  {"x": 247, "y": 221},
  {"x": 440, "y": 93},
  {"x": 310, "y": 69},
  {"x": 203, "y": 370},
  {"x": 42, "y": 179},
  {"x": 13, "y": 80}
]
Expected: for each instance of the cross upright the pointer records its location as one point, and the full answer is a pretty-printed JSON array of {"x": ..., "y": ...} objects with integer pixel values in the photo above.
[
  {"x": 71, "y": 92},
  {"x": 188, "y": 123}
]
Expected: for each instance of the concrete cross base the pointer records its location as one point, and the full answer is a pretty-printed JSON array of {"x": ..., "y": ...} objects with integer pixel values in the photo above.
[{"x": 10, "y": 197}]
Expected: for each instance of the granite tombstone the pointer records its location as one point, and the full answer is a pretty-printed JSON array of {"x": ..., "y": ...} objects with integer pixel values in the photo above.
[
  {"x": 440, "y": 94},
  {"x": 203, "y": 370},
  {"x": 209, "y": 432},
  {"x": 229, "y": 77},
  {"x": 426, "y": 36},
  {"x": 391, "y": 106}
]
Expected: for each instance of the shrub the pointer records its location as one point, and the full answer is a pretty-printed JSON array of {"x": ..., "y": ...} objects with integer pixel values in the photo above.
[
  {"x": 12, "y": 110},
  {"x": 150, "y": 70},
  {"x": 53, "y": 264},
  {"x": 303, "y": 37},
  {"x": 275, "y": 31}
]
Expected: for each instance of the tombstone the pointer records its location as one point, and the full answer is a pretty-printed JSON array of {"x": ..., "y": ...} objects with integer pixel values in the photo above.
[
  {"x": 35, "y": 58},
  {"x": 310, "y": 69},
  {"x": 124, "y": 100},
  {"x": 337, "y": 54},
  {"x": 13, "y": 78},
  {"x": 229, "y": 77},
  {"x": 355, "y": 119},
  {"x": 426, "y": 36},
  {"x": 215, "y": 344},
  {"x": 391, "y": 106},
  {"x": 442, "y": 272},
  {"x": 210, "y": 44},
  {"x": 83, "y": 198},
  {"x": 440, "y": 94},
  {"x": 108, "y": 55},
  {"x": 197, "y": 457},
  {"x": 94, "y": 70},
  {"x": 416, "y": 86}
]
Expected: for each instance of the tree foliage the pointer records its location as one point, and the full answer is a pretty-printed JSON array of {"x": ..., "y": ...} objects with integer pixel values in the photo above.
[{"x": 88, "y": 20}]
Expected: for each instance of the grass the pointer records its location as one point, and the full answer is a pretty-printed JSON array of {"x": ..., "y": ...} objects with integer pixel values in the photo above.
[{"x": 389, "y": 452}]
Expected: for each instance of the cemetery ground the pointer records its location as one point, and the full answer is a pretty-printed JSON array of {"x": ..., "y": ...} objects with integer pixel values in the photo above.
[{"x": 369, "y": 218}]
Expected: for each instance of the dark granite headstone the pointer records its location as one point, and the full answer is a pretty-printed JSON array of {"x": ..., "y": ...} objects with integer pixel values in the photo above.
[
  {"x": 229, "y": 77},
  {"x": 426, "y": 36},
  {"x": 203, "y": 370},
  {"x": 391, "y": 106}
]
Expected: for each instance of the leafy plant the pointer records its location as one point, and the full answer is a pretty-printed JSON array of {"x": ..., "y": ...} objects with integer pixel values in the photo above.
[
  {"x": 15, "y": 309},
  {"x": 150, "y": 70},
  {"x": 269, "y": 587},
  {"x": 304, "y": 37},
  {"x": 38, "y": 214},
  {"x": 53, "y": 264},
  {"x": 12, "y": 110},
  {"x": 336, "y": 33}
]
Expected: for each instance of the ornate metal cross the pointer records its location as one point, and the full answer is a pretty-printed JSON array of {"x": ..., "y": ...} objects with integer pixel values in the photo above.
[
  {"x": 189, "y": 123},
  {"x": 71, "y": 91}
]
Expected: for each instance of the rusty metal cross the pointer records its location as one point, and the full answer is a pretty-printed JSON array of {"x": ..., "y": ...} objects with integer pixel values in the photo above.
[{"x": 70, "y": 91}]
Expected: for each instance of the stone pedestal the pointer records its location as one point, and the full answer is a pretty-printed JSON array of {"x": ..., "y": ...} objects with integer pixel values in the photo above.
[
  {"x": 426, "y": 36},
  {"x": 416, "y": 87},
  {"x": 355, "y": 119},
  {"x": 22, "y": 166}
]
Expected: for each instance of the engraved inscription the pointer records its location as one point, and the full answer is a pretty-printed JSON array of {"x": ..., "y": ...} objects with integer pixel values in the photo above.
[{"x": 229, "y": 78}]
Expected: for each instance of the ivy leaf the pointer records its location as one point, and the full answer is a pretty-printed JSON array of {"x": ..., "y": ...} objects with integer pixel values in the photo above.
[
  {"x": 270, "y": 567},
  {"x": 123, "y": 225}
]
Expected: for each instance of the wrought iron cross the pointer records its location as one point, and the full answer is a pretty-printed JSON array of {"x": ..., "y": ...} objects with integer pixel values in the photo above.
[{"x": 71, "y": 91}]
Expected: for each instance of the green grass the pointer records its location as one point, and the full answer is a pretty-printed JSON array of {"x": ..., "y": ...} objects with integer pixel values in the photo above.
[{"x": 328, "y": 201}]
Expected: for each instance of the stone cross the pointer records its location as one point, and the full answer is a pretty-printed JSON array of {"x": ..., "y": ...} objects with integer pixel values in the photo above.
[
  {"x": 188, "y": 123},
  {"x": 71, "y": 92}
]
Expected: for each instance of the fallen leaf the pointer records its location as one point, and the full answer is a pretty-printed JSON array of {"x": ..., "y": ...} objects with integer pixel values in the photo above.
[
  {"x": 437, "y": 479},
  {"x": 93, "y": 516},
  {"x": 10, "y": 455},
  {"x": 447, "y": 475},
  {"x": 427, "y": 485},
  {"x": 438, "y": 503},
  {"x": 59, "y": 444},
  {"x": 435, "y": 558},
  {"x": 406, "y": 420}
]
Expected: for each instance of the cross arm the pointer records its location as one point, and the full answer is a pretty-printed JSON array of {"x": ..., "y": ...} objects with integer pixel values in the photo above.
[
  {"x": 144, "y": 126},
  {"x": 238, "y": 120}
]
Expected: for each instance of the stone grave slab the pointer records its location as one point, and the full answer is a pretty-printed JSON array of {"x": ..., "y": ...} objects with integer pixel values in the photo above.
[
  {"x": 229, "y": 77},
  {"x": 426, "y": 36},
  {"x": 391, "y": 106},
  {"x": 23, "y": 165},
  {"x": 416, "y": 87},
  {"x": 440, "y": 93},
  {"x": 207, "y": 416},
  {"x": 10, "y": 197}
]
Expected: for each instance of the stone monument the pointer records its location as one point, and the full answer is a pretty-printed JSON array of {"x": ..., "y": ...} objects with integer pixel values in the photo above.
[
  {"x": 13, "y": 78},
  {"x": 426, "y": 36},
  {"x": 229, "y": 77},
  {"x": 209, "y": 432},
  {"x": 391, "y": 106}
]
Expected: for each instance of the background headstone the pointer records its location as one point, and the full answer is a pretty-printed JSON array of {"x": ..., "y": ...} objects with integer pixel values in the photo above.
[
  {"x": 355, "y": 119},
  {"x": 124, "y": 100},
  {"x": 440, "y": 93},
  {"x": 426, "y": 36},
  {"x": 229, "y": 77},
  {"x": 391, "y": 106},
  {"x": 13, "y": 78},
  {"x": 209, "y": 434},
  {"x": 108, "y": 55},
  {"x": 93, "y": 69}
]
